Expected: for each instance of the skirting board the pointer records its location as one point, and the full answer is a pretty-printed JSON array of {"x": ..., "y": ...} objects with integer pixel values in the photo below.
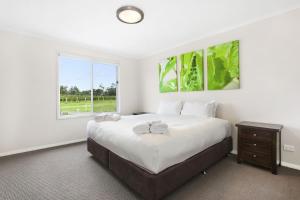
[
  {"x": 285, "y": 164},
  {"x": 234, "y": 152},
  {"x": 40, "y": 147},
  {"x": 290, "y": 165}
]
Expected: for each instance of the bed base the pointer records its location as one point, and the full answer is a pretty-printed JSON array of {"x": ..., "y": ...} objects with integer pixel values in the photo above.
[{"x": 156, "y": 186}]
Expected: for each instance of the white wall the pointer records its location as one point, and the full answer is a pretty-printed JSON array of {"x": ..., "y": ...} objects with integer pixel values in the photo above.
[
  {"x": 28, "y": 83},
  {"x": 270, "y": 77}
]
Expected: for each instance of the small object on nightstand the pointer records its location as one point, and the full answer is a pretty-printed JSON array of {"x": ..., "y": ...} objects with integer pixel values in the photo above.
[
  {"x": 139, "y": 113},
  {"x": 258, "y": 144}
]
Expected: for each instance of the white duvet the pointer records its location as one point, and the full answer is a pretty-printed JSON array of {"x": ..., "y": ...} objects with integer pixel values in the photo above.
[{"x": 187, "y": 136}]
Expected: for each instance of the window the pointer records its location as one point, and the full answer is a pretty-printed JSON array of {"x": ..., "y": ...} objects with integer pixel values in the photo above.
[{"x": 86, "y": 86}]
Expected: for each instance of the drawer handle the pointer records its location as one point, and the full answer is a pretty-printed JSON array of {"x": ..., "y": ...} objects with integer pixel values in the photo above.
[
  {"x": 254, "y": 134},
  {"x": 254, "y": 156},
  {"x": 254, "y": 145}
]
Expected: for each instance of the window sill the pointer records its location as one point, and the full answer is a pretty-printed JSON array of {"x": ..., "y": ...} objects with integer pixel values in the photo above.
[
  {"x": 82, "y": 115},
  {"x": 85, "y": 115}
]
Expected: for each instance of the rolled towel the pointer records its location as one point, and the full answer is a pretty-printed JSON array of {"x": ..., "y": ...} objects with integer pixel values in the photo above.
[
  {"x": 155, "y": 122},
  {"x": 159, "y": 127},
  {"x": 141, "y": 128},
  {"x": 100, "y": 117}
]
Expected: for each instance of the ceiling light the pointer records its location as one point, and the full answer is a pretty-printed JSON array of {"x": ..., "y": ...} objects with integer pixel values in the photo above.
[{"x": 130, "y": 14}]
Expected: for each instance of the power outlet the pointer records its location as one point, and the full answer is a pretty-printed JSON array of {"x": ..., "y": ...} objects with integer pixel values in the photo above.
[{"x": 288, "y": 148}]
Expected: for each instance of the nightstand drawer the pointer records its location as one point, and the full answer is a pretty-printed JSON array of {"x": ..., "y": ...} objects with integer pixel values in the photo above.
[
  {"x": 254, "y": 135},
  {"x": 256, "y": 146},
  {"x": 256, "y": 158}
]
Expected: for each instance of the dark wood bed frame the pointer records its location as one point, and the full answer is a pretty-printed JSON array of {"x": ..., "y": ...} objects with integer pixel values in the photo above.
[{"x": 156, "y": 186}]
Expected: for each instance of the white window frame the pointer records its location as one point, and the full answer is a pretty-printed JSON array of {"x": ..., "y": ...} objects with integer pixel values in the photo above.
[{"x": 93, "y": 61}]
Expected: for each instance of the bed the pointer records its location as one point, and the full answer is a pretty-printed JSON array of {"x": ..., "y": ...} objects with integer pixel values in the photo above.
[{"x": 153, "y": 165}]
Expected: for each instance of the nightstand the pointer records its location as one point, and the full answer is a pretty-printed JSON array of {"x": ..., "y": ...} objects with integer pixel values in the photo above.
[
  {"x": 259, "y": 144},
  {"x": 139, "y": 113}
]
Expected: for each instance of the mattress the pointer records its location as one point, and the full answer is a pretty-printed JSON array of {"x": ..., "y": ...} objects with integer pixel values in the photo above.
[{"x": 187, "y": 136}]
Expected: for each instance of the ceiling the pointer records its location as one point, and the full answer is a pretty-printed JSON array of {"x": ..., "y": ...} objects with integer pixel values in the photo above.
[{"x": 167, "y": 23}]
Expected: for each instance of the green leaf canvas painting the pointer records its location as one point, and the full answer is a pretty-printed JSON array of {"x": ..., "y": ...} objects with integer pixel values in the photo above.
[
  {"x": 168, "y": 75},
  {"x": 223, "y": 66},
  {"x": 191, "y": 72}
]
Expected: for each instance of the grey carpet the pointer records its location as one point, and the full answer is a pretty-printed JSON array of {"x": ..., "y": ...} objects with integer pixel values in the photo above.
[{"x": 69, "y": 173}]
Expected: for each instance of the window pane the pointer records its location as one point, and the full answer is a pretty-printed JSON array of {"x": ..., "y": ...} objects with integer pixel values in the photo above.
[
  {"x": 105, "y": 86},
  {"x": 75, "y": 86}
]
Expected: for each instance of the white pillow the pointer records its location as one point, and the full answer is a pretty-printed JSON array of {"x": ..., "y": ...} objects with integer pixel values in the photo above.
[
  {"x": 170, "y": 107},
  {"x": 198, "y": 108}
]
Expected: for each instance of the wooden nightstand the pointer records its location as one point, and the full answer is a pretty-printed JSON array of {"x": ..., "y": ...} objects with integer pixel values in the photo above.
[{"x": 259, "y": 144}]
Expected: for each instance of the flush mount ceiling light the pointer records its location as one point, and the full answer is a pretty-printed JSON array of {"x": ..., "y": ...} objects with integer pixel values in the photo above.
[{"x": 130, "y": 14}]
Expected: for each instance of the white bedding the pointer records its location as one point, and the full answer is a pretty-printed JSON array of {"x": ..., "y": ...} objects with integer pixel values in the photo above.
[{"x": 187, "y": 136}]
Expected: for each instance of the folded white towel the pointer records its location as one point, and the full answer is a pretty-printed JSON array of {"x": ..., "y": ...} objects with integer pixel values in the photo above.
[
  {"x": 100, "y": 117},
  {"x": 112, "y": 117},
  {"x": 159, "y": 127},
  {"x": 151, "y": 127},
  {"x": 141, "y": 128},
  {"x": 107, "y": 117}
]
